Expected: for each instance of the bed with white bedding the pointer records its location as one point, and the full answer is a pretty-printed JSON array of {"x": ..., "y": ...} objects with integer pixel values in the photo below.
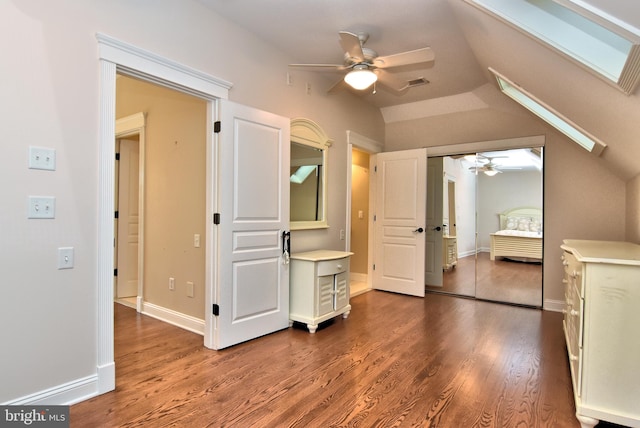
[{"x": 520, "y": 235}]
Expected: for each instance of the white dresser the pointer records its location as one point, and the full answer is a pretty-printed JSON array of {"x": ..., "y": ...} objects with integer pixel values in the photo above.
[
  {"x": 449, "y": 252},
  {"x": 318, "y": 287},
  {"x": 602, "y": 329}
]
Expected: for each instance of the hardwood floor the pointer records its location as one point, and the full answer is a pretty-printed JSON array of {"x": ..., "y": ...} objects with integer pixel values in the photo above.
[
  {"x": 501, "y": 280},
  {"x": 396, "y": 361}
]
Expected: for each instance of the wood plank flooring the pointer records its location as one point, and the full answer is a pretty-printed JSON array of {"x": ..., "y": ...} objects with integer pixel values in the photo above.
[
  {"x": 396, "y": 361},
  {"x": 501, "y": 280}
]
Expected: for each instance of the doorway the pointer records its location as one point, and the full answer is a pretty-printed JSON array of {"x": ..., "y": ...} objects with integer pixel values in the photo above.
[
  {"x": 127, "y": 202},
  {"x": 360, "y": 177},
  {"x": 167, "y": 186},
  {"x": 361, "y": 157}
]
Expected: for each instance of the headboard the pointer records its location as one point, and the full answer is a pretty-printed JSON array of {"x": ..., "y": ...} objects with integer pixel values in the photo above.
[{"x": 522, "y": 218}]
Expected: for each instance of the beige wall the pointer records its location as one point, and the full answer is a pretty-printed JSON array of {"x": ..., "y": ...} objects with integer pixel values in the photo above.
[
  {"x": 582, "y": 198},
  {"x": 633, "y": 210},
  {"x": 174, "y": 195}
]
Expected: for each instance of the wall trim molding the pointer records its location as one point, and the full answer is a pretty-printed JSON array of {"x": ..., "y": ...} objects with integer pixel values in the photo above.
[
  {"x": 186, "y": 322},
  {"x": 61, "y": 395},
  {"x": 115, "y": 57}
]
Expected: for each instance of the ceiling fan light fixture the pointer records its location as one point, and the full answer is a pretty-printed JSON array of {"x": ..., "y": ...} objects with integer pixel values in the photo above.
[
  {"x": 491, "y": 172},
  {"x": 360, "y": 78}
]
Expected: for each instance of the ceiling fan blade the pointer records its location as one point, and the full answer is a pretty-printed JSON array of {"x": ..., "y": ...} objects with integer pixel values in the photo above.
[
  {"x": 389, "y": 80},
  {"x": 418, "y": 56},
  {"x": 351, "y": 45}
]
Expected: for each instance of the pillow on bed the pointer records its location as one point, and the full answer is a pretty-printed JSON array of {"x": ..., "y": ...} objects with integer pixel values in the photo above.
[
  {"x": 523, "y": 223},
  {"x": 512, "y": 223},
  {"x": 535, "y": 225},
  {"x": 517, "y": 223}
]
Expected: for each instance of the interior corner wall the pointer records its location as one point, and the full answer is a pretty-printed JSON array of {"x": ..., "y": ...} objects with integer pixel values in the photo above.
[
  {"x": 174, "y": 194},
  {"x": 633, "y": 210}
]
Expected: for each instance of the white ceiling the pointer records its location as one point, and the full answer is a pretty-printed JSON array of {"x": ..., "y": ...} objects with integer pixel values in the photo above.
[
  {"x": 307, "y": 30},
  {"x": 466, "y": 42}
]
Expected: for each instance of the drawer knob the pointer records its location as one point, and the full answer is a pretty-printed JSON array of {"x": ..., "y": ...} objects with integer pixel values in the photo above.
[{"x": 339, "y": 266}]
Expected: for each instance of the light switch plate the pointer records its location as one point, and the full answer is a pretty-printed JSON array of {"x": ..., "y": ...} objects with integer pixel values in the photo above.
[
  {"x": 41, "y": 207},
  {"x": 42, "y": 158},
  {"x": 65, "y": 258}
]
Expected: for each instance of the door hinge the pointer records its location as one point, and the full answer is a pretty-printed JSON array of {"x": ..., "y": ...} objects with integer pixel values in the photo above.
[
  {"x": 116, "y": 214},
  {"x": 216, "y": 218},
  {"x": 374, "y": 266},
  {"x": 216, "y": 309},
  {"x": 375, "y": 168},
  {"x": 115, "y": 272},
  {"x": 117, "y": 156},
  {"x": 374, "y": 217},
  {"x": 216, "y": 126}
]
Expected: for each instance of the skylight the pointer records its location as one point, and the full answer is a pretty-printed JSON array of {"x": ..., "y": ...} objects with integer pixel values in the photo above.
[
  {"x": 614, "y": 55},
  {"x": 546, "y": 113}
]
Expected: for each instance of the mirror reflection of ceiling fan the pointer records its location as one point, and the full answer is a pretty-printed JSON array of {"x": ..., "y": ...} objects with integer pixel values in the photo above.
[
  {"x": 483, "y": 163},
  {"x": 364, "y": 67}
]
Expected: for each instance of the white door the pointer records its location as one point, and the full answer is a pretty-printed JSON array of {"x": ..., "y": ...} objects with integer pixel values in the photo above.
[
  {"x": 127, "y": 250},
  {"x": 251, "y": 290},
  {"x": 434, "y": 229},
  {"x": 399, "y": 222}
]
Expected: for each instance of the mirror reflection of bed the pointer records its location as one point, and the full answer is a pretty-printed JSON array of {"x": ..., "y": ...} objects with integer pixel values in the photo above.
[{"x": 495, "y": 223}]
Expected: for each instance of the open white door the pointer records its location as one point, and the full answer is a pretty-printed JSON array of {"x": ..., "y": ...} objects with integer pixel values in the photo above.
[
  {"x": 399, "y": 245},
  {"x": 251, "y": 291},
  {"x": 434, "y": 229}
]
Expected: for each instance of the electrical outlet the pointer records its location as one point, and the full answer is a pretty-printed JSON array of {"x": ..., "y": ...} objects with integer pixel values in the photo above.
[
  {"x": 172, "y": 284},
  {"x": 196, "y": 240},
  {"x": 190, "y": 291},
  {"x": 65, "y": 258}
]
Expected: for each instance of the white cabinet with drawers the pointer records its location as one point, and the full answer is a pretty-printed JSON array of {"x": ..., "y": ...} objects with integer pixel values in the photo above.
[
  {"x": 602, "y": 329},
  {"x": 318, "y": 287},
  {"x": 449, "y": 252}
]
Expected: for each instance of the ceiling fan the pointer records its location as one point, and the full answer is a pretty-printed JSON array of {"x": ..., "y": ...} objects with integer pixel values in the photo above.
[
  {"x": 482, "y": 163},
  {"x": 364, "y": 67}
]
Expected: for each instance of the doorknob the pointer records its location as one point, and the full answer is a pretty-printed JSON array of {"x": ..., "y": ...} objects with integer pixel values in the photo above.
[
  {"x": 419, "y": 230},
  {"x": 437, "y": 228}
]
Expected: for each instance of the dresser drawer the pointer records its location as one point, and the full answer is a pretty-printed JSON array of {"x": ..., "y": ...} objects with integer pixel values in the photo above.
[
  {"x": 573, "y": 271},
  {"x": 333, "y": 267}
]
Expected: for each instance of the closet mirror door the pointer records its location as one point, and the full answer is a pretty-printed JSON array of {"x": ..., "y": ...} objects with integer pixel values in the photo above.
[
  {"x": 492, "y": 226},
  {"x": 509, "y": 226},
  {"x": 458, "y": 239}
]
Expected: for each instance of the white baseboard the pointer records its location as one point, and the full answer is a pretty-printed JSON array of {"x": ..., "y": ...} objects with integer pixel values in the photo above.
[
  {"x": 187, "y": 322},
  {"x": 357, "y": 277},
  {"x": 61, "y": 395},
  {"x": 553, "y": 305}
]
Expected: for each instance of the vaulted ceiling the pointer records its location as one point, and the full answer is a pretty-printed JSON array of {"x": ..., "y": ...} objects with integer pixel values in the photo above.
[{"x": 466, "y": 42}]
